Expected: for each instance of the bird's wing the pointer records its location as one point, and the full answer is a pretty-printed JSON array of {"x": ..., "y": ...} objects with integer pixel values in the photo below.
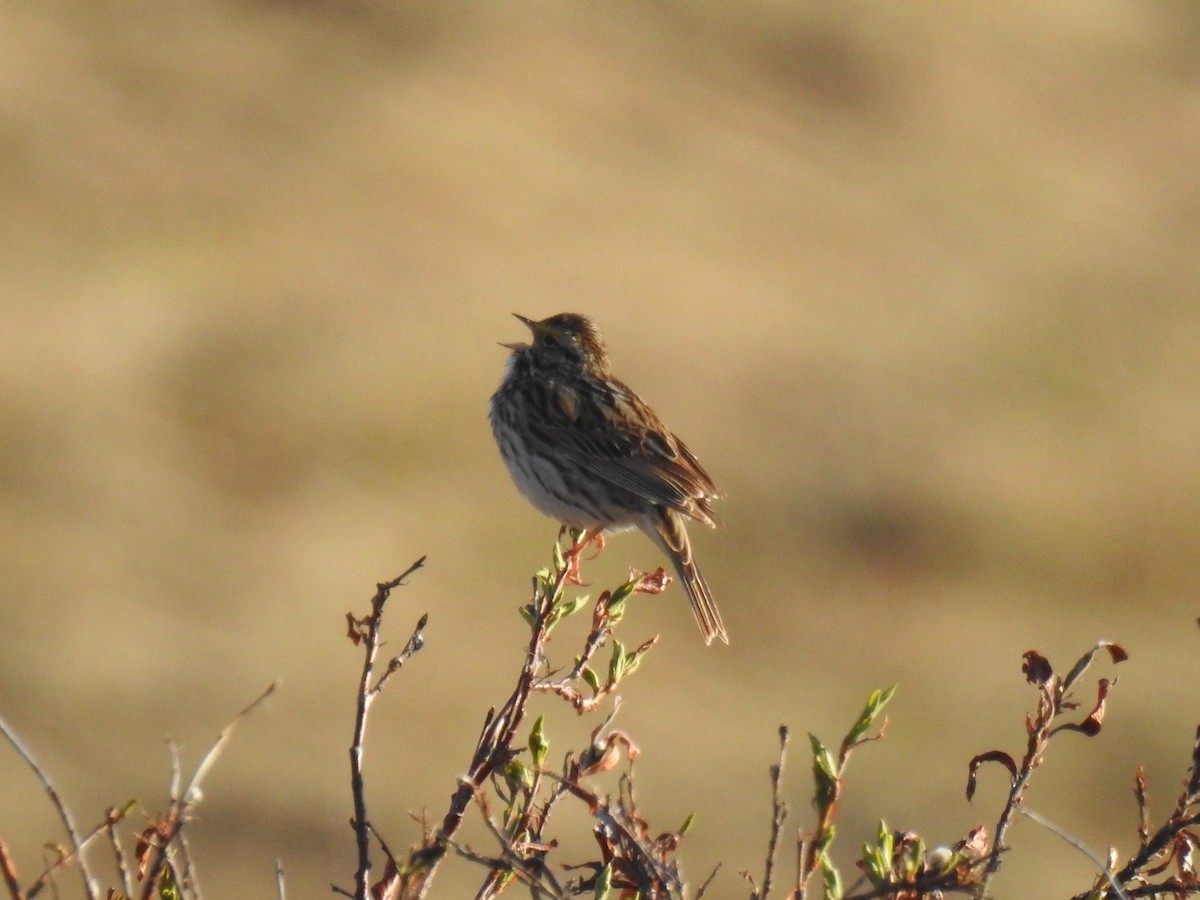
[{"x": 611, "y": 432}]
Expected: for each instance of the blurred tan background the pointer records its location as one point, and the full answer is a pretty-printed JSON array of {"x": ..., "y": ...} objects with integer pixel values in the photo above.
[{"x": 918, "y": 283}]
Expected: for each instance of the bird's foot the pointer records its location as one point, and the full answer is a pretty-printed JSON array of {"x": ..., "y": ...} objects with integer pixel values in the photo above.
[{"x": 575, "y": 551}]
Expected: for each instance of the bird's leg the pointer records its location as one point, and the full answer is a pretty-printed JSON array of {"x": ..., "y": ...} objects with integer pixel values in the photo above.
[{"x": 573, "y": 553}]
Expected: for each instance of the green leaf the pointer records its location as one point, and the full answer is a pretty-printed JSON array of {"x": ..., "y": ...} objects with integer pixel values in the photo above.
[
  {"x": 875, "y": 704},
  {"x": 875, "y": 866},
  {"x": 560, "y": 561},
  {"x": 914, "y": 856},
  {"x": 590, "y": 677},
  {"x": 633, "y": 658},
  {"x": 687, "y": 824},
  {"x": 518, "y": 775},
  {"x": 538, "y": 746},
  {"x": 616, "y": 665},
  {"x": 528, "y": 614},
  {"x": 886, "y": 842},
  {"x": 825, "y": 774},
  {"x": 603, "y": 883},
  {"x": 830, "y": 834},
  {"x": 830, "y": 878},
  {"x": 623, "y": 593},
  {"x": 572, "y": 606},
  {"x": 615, "y": 612},
  {"x": 504, "y": 880},
  {"x": 1115, "y": 651},
  {"x": 823, "y": 761},
  {"x": 168, "y": 886},
  {"x": 564, "y": 608}
]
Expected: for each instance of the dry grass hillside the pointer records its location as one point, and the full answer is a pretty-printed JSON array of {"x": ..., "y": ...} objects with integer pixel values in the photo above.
[{"x": 919, "y": 283}]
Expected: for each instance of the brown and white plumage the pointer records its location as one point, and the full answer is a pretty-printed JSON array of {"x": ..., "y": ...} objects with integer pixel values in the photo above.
[{"x": 586, "y": 450}]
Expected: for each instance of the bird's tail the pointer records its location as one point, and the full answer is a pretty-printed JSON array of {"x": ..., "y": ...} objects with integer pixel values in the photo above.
[{"x": 670, "y": 533}]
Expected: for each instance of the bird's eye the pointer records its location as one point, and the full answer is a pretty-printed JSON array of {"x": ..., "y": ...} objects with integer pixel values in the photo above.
[{"x": 549, "y": 340}]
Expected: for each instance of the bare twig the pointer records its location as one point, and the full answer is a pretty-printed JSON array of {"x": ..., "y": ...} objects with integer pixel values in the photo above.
[
  {"x": 366, "y": 632},
  {"x": 176, "y": 769},
  {"x": 111, "y": 818},
  {"x": 658, "y": 878},
  {"x": 280, "y": 887},
  {"x": 527, "y": 868},
  {"x": 66, "y": 859},
  {"x": 9, "y": 870},
  {"x": 801, "y": 866},
  {"x": 1077, "y": 844},
  {"x": 192, "y": 794},
  {"x": 165, "y": 831},
  {"x": 1053, "y": 699},
  {"x": 923, "y": 887},
  {"x": 829, "y": 780},
  {"x": 188, "y": 884},
  {"x": 89, "y": 882},
  {"x": 1161, "y": 841},
  {"x": 779, "y": 812},
  {"x": 708, "y": 881},
  {"x": 506, "y": 863},
  {"x": 521, "y": 786},
  {"x": 494, "y": 747}
]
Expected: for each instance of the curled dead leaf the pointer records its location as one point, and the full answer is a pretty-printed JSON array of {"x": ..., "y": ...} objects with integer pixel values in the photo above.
[
  {"x": 1116, "y": 652},
  {"x": 606, "y": 755},
  {"x": 1037, "y": 668},
  {"x": 651, "y": 583},
  {"x": 387, "y": 887},
  {"x": 1095, "y": 719},
  {"x": 356, "y": 629},
  {"x": 996, "y": 756}
]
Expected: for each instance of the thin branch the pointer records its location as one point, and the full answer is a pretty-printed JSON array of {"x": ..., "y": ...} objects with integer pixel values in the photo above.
[
  {"x": 505, "y": 863},
  {"x": 210, "y": 758},
  {"x": 188, "y": 886},
  {"x": 708, "y": 881},
  {"x": 779, "y": 812},
  {"x": 9, "y": 869},
  {"x": 414, "y": 643},
  {"x": 656, "y": 872},
  {"x": 1077, "y": 844},
  {"x": 181, "y": 805},
  {"x": 89, "y": 883},
  {"x": 494, "y": 747},
  {"x": 931, "y": 887},
  {"x": 525, "y": 816},
  {"x": 176, "y": 770},
  {"x": 1176, "y": 886},
  {"x": 1054, "y": 697},
  {"x": 65, "y": 859},
  {"x": 366, "y": 631},
  {"x": 530, "y": 871},
  {"x": 802, "y": 850},
  {"x": 119, "y": 859},
  {"x": 1158, "y": 843}
]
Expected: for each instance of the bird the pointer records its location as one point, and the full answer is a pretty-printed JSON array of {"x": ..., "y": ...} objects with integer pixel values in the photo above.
[{"x": 586, "y": 450}]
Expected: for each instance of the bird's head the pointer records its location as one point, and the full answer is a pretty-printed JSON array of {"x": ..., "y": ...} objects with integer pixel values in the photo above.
[{"x": 566, "y": 340}]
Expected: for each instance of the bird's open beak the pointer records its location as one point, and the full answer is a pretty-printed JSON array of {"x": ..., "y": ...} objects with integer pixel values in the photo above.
[{"x": 528, "y": 323}]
